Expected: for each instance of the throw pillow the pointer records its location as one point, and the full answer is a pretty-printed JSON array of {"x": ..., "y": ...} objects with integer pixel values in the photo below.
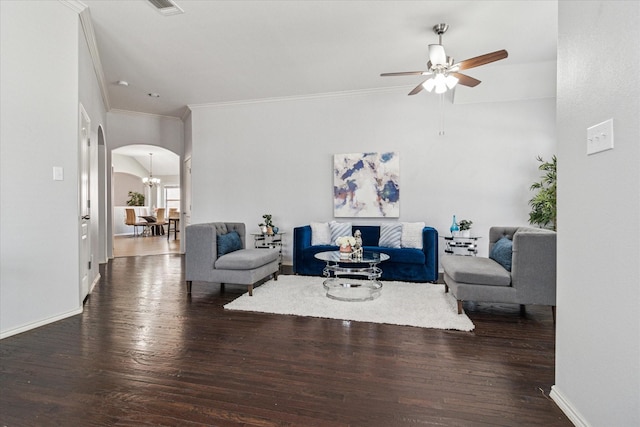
[
  {"x": 412, "y": 235},
  {"x": 339, "y": 229},
  {"x": 320, "y": 234},
  {"x": 390, "y": 235},
  {"x": 228, "y": 243},
  {"x": 501, "y": 252}
]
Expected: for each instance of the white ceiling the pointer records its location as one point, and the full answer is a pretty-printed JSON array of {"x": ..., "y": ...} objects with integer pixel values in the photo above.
[{"x": 230, "y": 51}]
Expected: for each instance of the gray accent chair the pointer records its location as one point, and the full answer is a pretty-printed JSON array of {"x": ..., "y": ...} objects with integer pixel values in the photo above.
[
  {"x": 532, "y": 279},
  {"x": 243, "y": 267}
]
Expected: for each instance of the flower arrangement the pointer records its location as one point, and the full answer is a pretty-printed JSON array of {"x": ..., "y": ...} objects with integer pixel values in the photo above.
[{"x": 345, "y": 241}]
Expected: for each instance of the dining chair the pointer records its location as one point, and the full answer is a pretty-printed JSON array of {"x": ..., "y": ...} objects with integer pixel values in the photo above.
[
  {"x": 131, "y": 219},
  {"x": 161, "y": 220},
  {"x": 174, "y": 217}
]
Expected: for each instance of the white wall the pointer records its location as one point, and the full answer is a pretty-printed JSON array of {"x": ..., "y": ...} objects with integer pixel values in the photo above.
[
  {"x": 122, "y": 184},
  {"x": 598, "y": 325},
  {"x": 127, "y": 128},
  {"x": 127, "y": 164},
  {"x": 276, "y": 157},
  {"x": 39, "y": 271}
]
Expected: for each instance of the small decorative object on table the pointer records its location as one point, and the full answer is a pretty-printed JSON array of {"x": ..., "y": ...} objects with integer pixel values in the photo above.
[
  {"x": 267, "y": 226},
  {"x": 357, "y": 247},
  {"x": 345, "y": 243},
  {"x": 454, "y": 227},
  {"x": 465, "y": 228}
]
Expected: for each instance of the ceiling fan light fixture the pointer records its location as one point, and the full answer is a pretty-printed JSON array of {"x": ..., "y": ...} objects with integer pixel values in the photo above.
[
  {"x": 437, "y": 55},
  {"x": 451, "y": 81},
  {"x": 429, "y": 85},
  {"x": 445, "y": 72},
  {"x": 440, "y": 83}
]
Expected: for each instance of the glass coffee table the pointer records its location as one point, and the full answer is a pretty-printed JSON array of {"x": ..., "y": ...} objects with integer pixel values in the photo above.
[{"x": 352, "y": 279}]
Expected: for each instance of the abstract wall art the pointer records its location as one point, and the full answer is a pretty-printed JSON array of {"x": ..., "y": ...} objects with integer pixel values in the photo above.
[{"x": 366, "y": 185}]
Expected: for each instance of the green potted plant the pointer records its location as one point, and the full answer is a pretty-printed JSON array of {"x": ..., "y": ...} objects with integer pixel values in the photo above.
[
  {"x": 135, "y": 199},
  {"x": 543, "y": 204},
  {"x": 465, "y": 227},
  {"x": 267, "y": 226}
]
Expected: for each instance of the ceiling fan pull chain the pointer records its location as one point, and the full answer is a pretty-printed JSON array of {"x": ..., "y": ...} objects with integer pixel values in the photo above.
[{"x": 441, "y": 132}]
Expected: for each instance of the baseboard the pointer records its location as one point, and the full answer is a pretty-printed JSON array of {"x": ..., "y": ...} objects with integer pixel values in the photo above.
[
  {"x": 286, "y": 269},
  {"x": 30, "y": 326},
  {"x": 95, "y": 282},
  {"x": 563, "y": 403}
]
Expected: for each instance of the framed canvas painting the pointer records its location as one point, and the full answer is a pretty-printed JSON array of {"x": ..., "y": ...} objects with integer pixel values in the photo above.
[{"x": 366, "y": 185}]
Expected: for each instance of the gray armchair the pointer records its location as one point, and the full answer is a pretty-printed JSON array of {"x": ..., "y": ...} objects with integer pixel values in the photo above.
[
  {"x": 532, "y": 279},
  {"x": 241, "y": 266}
]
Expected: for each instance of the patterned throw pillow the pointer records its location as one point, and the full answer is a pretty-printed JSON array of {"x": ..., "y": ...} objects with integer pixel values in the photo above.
[
  {"x": 412, "y": 235},
  {"x": 228, "y": 243},
  {"x": 390, "y": 235},
  {"x": 320, "y": 234},
  {"x": 339, "y": 229},
  {"x": 501, "y": 252}
]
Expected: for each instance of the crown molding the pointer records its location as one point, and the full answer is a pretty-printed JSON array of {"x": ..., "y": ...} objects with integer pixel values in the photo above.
[
  {"x": 342, "y": 94},
  {"x": 76, "y": 6},
  {"x": 90, "y": 36},
  {"x": 139, "y": 113}
]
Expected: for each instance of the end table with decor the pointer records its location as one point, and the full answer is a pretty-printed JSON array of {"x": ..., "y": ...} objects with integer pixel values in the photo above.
[
  {"x": 268, "y": 241},
  {"x": 458, "y": 245}
]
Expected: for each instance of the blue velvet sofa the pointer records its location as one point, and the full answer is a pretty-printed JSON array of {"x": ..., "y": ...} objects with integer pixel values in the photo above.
[{"x": 405, "y": 264}]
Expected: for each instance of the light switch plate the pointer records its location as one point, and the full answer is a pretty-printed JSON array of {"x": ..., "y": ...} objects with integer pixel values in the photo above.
[
  {"x": 58, "y": 173},
  {"x": 600, "y": 137}
]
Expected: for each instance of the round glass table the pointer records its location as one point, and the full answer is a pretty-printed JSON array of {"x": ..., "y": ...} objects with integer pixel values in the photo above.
[{"x": 352, "y": 279}]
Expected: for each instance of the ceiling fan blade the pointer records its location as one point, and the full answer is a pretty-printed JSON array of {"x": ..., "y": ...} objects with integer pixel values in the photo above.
[
  {"x": 406, "y": 73},
  {"x": 417, "y": 89},
  {"x": 437, "y": 56},
  {"x": 481, "y": 60},
  {"x": 465, "y": 80}
]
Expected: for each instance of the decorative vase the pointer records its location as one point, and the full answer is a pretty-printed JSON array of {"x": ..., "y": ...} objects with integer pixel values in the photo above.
[
  {"x": 264, "y": 229},
  {"x": 275, "y": 230},
  {"x": 455, "y": 228},
  {"x": 465, "y": 233},
  {"x": 345, "y": 251},
  {"x": 269, "y": 230}
]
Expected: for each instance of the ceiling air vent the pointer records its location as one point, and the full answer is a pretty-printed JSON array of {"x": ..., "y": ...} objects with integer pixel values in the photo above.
[{"x": 166, "y": 7}]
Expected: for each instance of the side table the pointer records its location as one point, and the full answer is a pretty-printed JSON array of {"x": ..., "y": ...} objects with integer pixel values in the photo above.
[
  {"x": 268, "y": 241},
  {"x": 458, "y": 245}
]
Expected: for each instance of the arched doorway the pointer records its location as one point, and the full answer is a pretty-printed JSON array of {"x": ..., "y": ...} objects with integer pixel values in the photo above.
[{"x": 131, "y": 164}]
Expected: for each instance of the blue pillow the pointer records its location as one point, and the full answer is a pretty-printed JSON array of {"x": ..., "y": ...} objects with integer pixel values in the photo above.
[
  {"x": 501, "y": 252},
  {"x": 229, "y": 242}
]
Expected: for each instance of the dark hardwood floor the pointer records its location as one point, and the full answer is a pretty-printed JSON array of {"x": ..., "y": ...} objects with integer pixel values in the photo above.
[{"x": 143, "y": 353}]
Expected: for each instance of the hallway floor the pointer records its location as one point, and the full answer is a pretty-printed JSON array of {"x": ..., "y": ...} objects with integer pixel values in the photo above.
[{"x": 129, "y": 245}]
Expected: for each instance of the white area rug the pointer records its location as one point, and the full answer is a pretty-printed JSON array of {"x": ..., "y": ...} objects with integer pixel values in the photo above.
[{"x": 424, "y": 305}]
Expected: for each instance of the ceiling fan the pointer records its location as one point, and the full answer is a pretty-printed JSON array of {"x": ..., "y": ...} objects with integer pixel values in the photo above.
[{"x": 445, "y": 74}]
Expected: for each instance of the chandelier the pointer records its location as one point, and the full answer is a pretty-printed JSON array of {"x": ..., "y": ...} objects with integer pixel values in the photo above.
[{"x": 150, "y": 180}]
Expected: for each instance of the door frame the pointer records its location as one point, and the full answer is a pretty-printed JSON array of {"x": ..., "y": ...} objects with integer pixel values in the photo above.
[{"x": 84, "y": 203}]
